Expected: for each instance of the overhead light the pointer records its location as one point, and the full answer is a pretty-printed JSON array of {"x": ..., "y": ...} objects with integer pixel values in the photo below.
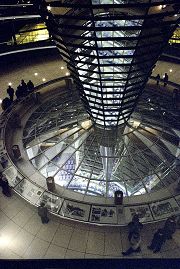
[
  {"x": 175, "y": 15},
  {"x": 67, "y": 73},
  {"x": 49, "y": 8},
  {"x": 162, "y": 6},
  {"x": 43, "y": 79},
  {"x": 170, "y": 70},
  {"x": 10, "y": 83},
  {"x": 35, "y": 74},
  {"x": 62, "y": 67}
]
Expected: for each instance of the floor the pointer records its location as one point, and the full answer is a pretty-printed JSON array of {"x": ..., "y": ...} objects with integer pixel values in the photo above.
[{"x": 22, "y": 236}]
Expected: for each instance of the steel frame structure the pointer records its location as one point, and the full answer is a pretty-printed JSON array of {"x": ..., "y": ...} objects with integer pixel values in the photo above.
[{"x": 111, "y": 47}]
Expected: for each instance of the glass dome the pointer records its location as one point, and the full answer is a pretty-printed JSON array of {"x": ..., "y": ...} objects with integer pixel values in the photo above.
[
  {"x": 110, "y": 47},
  {"x": 61, "y": 141}
]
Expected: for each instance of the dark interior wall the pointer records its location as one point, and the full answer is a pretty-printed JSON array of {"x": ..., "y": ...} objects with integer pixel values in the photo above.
[{"x": 27, "y": 58}]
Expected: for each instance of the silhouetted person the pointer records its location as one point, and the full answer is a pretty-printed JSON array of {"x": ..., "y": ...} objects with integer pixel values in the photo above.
[
  {"x": 135, "y": 226},
  {"x": 158, "y": 79},
  {"x": 134, "y": 244},
  {"x": 3, "y": 162},
  {"x": 5, "y": 185},
  {"x": 6, "y": 102},
  {"x": 19, "y": 92},
  {"x": 170, "y": 227},
  {"x": 30, "y": 86},
  {"x": 158, "y": 240},
  {"x": 165, "y": 79},
  {"x": 42, "y": 212},
  {"x": 10, "y": 91},
  {"x": 24, "y": 88}
]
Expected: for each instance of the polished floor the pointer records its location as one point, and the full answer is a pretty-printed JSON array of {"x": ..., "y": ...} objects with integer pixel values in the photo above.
[{"x": 23, "y": 236}]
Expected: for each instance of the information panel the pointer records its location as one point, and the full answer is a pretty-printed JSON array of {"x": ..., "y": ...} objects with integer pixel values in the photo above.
[
  {"x": 75, "y": 210},
  {"x": 103, "y": 214}
]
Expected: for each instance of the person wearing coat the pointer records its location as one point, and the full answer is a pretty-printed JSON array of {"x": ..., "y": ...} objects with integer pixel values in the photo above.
[
  {"x": 166, "y": 78},
  {"x": 134, "y": 226},
  {"x": 42, "y": 212},
  {"x": 10, "y": 91},
  {"x": 158, "y": 240},
  {"x": 170, "y": 226},
  {"x": 5, "y": 185},
  {"x": 30, "y": 86},
  {"x": 158, "y": 79},
  {"x": 134, "y": 244},
  {"x": 6, "y": 103}
]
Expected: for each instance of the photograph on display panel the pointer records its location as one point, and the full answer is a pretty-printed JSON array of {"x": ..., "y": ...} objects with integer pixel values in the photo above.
[
  {"x": 13, "y": 176},
  {"x": 165, "y": 208},
  {"x": 143, "y": 213},
  {"x": 103, "y": 214},
  {"x": 29, "y": 190},
  {"x": 52, "y": 202},
  {"x": 75, "y": 210}
]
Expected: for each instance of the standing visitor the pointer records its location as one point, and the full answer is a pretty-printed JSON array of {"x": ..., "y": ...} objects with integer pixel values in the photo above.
[
  {"x": 24, "y": 88},
  {"x": 5, "y": 185},
  {"x": 134, "y": 244},
  {"x": 158, "y": 240},
  {"x": 170, "y": 226},
  {"x": 158, "y": 79},
  {"x": 10, "y": 92},
  {"x": 30, "y": 86},
  {"x": 166, "y": 78},
  {"x": 42, "y": 212},
  {"x": 135, "y": 226},
  {"x": 6, "y": 103}
]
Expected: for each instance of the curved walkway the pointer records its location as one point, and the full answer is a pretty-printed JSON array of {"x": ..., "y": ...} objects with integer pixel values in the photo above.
[{"x": 22, "y": 236}]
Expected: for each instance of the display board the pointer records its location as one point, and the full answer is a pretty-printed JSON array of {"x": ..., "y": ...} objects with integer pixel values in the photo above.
[
  {"x": 103, "y": 214},
  {"x": 143, "y": 212},
  {"x": 52, "y": 202},
  {"x": 164, "y": 209},
  {"x": 75, "y": 210},
  {"x": 13, "y": 176},
  {"x": 29, "y": 190}
]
